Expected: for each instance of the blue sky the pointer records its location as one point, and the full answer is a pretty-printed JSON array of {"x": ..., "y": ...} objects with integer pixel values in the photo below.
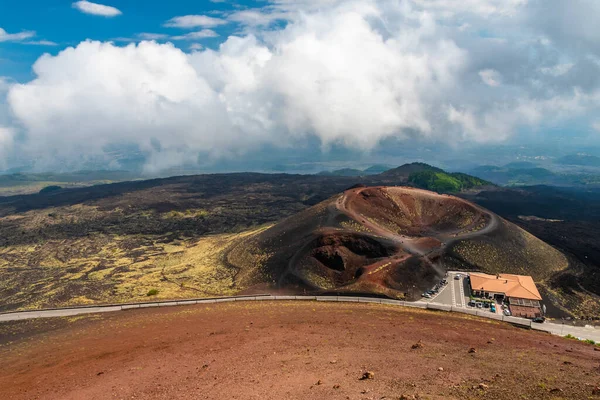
[
  {"x": 59, "y": 22},
  {"x": 201, "y": 82}
]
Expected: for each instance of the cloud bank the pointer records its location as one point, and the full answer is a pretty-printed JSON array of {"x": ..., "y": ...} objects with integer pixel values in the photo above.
[{"x": 346, "y": 73}]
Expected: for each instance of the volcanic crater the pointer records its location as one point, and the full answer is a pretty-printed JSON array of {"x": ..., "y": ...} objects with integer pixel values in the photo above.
[{"x": 390, "y": 241}]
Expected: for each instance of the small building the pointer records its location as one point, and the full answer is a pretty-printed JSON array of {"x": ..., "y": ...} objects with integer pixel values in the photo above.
[{"x": 519, "y": 290}]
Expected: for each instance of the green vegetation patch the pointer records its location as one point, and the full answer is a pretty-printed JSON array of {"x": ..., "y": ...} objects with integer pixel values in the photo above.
[{"x": 439, "y": 181}]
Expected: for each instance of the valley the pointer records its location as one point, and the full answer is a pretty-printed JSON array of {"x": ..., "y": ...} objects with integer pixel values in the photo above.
[{"x": 208, "y": 235}]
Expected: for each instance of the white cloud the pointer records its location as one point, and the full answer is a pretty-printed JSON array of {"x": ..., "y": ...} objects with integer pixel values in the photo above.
[
  {"x": 343, "y": 72},
  {"x": 203, "y": 34},
  {"x": 41, "y": 43},
  {"x": 88, "y": 7},
  {"x": 256, "y": 17},
  {"x": 152, "y": 36},
  {"x": 15, "y": 37},
  {"x": 557, "y": 70},
  {"x": 484, "y": 8},
  {"x": 490, "y": 77},
  {"x": 6, "y": 143},
  {"x": 194, "y": 21}
]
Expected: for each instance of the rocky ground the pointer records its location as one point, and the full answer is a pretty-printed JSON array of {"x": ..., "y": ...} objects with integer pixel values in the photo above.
[{"x": 290, "y": 350}]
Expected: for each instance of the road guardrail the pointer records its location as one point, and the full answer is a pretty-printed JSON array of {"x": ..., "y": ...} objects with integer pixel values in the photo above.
[{"x": 71, "y": 311}]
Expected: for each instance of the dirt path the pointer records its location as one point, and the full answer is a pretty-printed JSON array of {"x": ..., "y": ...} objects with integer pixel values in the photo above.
[{"x": 274, "y": 350}]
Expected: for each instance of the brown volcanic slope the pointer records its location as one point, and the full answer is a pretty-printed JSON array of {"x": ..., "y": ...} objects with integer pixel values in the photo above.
[
  {"x": 393, "y": 241},
  {"x": 289, "y": 350}
]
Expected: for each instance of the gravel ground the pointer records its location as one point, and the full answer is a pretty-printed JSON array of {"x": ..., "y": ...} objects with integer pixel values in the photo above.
[{"x": 289, "y": 350}]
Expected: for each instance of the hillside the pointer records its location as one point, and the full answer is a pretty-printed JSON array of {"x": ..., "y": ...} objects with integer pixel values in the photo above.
[
  {"x": 389, "y": 241},
  {"x": 290, "y": 350},
  {"x": 443, "y": 182},
  {"x": 120, "y": 242},
  {"x": 404, "y": 171}
]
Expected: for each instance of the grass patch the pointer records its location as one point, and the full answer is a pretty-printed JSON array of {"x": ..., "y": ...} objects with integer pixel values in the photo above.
[
  {"x": 569, "y": 336},
  {"x": 152, "y": 292}
]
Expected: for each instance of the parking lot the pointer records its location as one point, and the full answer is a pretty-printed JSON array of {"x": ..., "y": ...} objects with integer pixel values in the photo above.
[{"x": 456, "y": 293}]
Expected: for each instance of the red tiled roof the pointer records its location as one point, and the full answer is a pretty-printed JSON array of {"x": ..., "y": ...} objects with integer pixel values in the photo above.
[{"x": 519, "y": 286}]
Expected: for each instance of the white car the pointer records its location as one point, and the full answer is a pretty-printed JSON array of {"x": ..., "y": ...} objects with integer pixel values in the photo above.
[{"x": 506, "y": 312}]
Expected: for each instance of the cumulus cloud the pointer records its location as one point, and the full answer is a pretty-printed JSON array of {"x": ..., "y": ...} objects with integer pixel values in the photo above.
[
  {"x": 346, "y": 73},
  {"x": 88, "y": 7},
  {"x": 15, "y": 37},
  {"x": 257, "y": 17},
  {"x": 194, "y": 21}
]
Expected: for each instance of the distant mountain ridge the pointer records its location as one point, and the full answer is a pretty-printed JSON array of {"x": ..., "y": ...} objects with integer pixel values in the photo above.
[
  {"x": 583, "y": 160},
  {"x": 372, "y": 170}
]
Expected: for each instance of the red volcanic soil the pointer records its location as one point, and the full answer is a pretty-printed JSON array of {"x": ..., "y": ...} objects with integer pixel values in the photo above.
[
  {"x": 289, "y": 350},
  {"x": 413, "y": 212}
]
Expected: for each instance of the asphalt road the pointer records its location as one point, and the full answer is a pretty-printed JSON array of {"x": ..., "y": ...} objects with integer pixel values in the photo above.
[{"x": 554, "y": 328}]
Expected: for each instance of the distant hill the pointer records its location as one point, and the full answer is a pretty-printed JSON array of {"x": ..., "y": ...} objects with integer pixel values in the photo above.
[
  {"x": 520, "y": 165},
  {"x": 535, "y": 176},
  {"x": 515, "y": 176},
  {"x": 404, "y": 171},
  {"x": 27, "y": 183},
  {"x": 579, "y": 159},
  {"x": 443, "y": 182},
  {"x": 372, "y": 170},
  {"x": 378, "y": 169},
  {"x": 343, "y": 172}
]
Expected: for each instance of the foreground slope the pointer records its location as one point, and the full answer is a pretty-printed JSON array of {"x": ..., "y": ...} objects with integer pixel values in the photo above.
[
  {"x": 289, "y": 350},
  {"x": 393, "y": 241}
]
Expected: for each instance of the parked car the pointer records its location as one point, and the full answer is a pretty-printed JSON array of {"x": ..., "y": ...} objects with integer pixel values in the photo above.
[
  {"x": 471, "y": 303},
  {"x": 426, "y": 295},
  {"x": 506, "y": 312},
  {"x": 486, "y": 305},
  {"x": 479, "y": 305},
  {"x": 539, "y": 320},
  {"x": 457, "y": 277},
  {"x": 493, "y": 308}
]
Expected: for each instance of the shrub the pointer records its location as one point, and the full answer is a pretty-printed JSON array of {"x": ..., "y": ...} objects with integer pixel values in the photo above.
[{"x": 152, "y": 292}]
